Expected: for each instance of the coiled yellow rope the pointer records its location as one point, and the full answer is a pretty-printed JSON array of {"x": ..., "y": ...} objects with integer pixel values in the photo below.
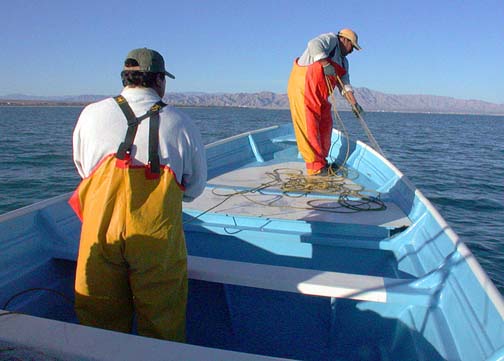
[{"x": 346, "y": 197}]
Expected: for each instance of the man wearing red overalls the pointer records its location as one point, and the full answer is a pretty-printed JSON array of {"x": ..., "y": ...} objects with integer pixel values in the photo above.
[{"x": 313, "y": 77}]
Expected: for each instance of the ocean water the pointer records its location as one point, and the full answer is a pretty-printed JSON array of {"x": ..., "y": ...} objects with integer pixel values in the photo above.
[{"x": 457, "y": 161}]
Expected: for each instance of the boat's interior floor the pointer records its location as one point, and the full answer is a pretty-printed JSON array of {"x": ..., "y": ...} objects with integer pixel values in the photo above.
[{"x": 231, "y": 194}]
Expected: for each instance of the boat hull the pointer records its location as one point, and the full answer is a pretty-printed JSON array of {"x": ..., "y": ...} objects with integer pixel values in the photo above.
[{"x": 372, "y": 274}]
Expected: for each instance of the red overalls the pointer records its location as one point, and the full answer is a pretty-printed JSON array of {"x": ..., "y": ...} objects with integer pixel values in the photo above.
[{"x": 308, "y": 93}]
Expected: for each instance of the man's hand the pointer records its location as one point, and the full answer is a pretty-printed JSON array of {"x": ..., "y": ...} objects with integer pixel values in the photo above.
[
  {"x": 329, "y": 69},
  {"x": 357, "y": 110}
]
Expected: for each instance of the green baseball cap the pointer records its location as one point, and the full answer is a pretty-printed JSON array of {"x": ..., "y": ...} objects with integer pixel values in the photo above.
[{"x": 149, "y": 61}]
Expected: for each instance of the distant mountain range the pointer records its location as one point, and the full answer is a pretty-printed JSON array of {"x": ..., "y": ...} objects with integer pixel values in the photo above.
[{"x": 370, "y": 100}]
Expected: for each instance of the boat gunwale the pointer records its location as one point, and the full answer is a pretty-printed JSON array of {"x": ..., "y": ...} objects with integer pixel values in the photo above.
[{"x": 482, "y": 277}]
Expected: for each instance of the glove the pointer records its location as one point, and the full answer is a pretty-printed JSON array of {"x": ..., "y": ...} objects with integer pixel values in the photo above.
[
  {"x": 357, "y": 110},
  {"x": 329, "y": 70}
]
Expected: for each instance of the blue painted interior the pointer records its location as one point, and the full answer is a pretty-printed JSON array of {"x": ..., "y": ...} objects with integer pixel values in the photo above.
[{"x": 457, "y": 322}]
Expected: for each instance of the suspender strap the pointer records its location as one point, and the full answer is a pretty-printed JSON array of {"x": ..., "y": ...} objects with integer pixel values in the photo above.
[
  {"x": 133, "y": 121},
  {"x": 154, "y": 143},
  {"x": 126, "y": 109},
  {"x": 125, "y": 147}
]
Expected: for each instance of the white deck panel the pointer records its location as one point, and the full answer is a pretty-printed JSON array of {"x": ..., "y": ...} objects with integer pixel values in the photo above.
[{"x": 281, "y": 206}]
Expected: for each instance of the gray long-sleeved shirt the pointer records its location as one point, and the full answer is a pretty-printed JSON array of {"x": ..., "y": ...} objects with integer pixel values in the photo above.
[{"x": 321, "y": 48}]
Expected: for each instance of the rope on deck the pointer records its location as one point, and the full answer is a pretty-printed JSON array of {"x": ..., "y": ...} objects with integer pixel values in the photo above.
[{"x": 293, "y": 183}]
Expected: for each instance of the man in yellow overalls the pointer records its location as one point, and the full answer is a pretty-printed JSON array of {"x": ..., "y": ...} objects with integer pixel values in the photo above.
[{"x": 139, "y": 159}]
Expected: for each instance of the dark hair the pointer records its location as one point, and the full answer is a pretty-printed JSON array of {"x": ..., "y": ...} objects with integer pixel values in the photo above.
[{"x": 137, "y": 78}]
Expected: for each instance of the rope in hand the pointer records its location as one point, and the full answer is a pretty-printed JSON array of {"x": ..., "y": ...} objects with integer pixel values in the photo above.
[{"x": 371, "y": 138}]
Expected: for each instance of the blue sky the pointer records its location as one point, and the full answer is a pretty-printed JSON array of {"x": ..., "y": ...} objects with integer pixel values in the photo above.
[{"x": 54, "y": 47}]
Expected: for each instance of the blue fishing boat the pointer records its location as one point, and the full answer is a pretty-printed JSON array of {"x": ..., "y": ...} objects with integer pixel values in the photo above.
[{"x": 357, "y": 265}]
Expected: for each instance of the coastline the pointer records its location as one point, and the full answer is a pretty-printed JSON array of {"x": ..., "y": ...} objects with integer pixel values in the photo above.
[
  {"x": 35, "y": 103},
  {"x": 370, "y": 100},
  {"x": 54, "y": 104}
]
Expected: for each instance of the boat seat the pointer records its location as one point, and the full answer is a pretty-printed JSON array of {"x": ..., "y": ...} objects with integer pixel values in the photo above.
[
  {"x": 298, "y": 280},
  {"x": 291, "y": 279}
]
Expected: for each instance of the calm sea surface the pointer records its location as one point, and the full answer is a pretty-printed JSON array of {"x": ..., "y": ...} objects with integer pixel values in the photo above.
[{"x": 457, "y": 161}]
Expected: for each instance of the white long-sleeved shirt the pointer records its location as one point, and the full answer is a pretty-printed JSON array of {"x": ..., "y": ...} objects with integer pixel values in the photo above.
[
  {"x": 320, "y": 48},
  {"x": 102, "y": 126}
]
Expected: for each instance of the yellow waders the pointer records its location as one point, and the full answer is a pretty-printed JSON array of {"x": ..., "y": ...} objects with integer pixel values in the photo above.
[{"x": 132, "y": 254}]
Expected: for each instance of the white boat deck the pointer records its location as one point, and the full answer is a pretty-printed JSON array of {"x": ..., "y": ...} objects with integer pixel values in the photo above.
[{"x": 228, "y": 194}]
